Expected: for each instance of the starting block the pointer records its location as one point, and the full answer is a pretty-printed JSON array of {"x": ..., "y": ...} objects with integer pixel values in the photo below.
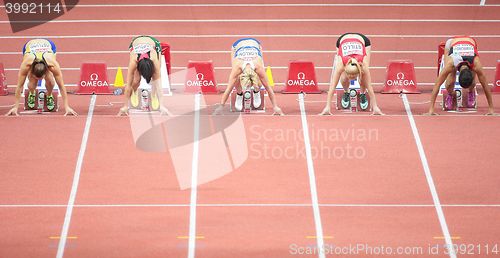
[
  {"x": 460, "y": 101},
  {"x": 354, "y": 96},
  {"x": 248, "y": 106},
  {"x": 40, "y": 101},
  {"x": 143, "y": 98},
  {"x": 40, "y": 86}
]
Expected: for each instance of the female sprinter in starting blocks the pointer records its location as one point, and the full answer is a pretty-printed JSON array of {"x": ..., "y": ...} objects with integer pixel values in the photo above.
[
  {"x": 144, "y": 61},
  {"x": 460, "y": 55},
  {"x": 247, "y": 71},
  {"x": 39, "y": 62},
  {"x": 352, "y": 61}
]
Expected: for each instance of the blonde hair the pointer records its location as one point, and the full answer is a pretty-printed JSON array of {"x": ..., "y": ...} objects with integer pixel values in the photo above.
[
  {"x": 353, "y": 67},
  {"x": 249, "y": 77}
]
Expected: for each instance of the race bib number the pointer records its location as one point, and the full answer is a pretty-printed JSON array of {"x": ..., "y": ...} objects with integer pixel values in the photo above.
[
  {"x": 142, "y": 48},
  {"x": 39, "y": 47},
  {"x": 247, "y": 54},
  {"x": 463, "y": 49},
  {"x": 352, "y": 48}
]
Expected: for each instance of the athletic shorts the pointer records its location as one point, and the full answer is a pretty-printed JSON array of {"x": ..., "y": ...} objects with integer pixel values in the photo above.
[
  {"x": 52, "y": 46},
  {"x": 157, "y": 44},
  {"x": 366, "y": 39}
]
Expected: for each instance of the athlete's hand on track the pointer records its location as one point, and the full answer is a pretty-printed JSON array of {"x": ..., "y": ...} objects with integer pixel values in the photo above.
[
  {"x": 491, "y": 112},
  {"x": 377, "y": 112},
  {"x": 70, "y": 111},
  {"x": 12, "y": 111},
  {"x": 218, "y": 109},
  {"x": 165, "y": 111},
  {"x": 123, "y": 111},
  {"x": 325, "y": 112},
  {"x": 277, "y": 111},
  {"x": 430, "y": 114}
]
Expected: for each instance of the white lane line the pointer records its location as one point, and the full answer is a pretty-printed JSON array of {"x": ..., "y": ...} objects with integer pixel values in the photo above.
[
  {"x": 248, "y": 205},
  {"x": 237, "y": 36},
  {"x": 312, "y": 179},
  {"x": 428, "y": 176},
  {"x": 252, "y": 21},
  {"x": 194, "y": 178},
  {"x": 76, "y": 180},
  {"x": 482, "y": 3}
]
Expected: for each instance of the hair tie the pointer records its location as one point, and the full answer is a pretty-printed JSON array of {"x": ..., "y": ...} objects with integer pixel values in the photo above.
[{"x": 143, "y": 56}]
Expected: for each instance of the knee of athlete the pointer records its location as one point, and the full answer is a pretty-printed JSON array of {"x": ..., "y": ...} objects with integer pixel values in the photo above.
[
  {"x": 363, "y": 86},
  {"x": 32, "y": 84},
  {"x": 450, "y": 87},
  {"x": 135, "y": 84},
  {"x": 49, "y": 83},
  {"x": 344, "y": 81},
  {"x": 258, "y": 65}
]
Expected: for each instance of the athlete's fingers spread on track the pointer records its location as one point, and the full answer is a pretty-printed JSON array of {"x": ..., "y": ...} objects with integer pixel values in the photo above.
[
  {"x": 377, "y": 112},
  {"x": 278, "y": 111},
  {"x": 165, "y": 111},
  {"x": 12, "y": 111},
  {"x": 70, "y": 111},
  {"x": 326, "y": 112},
  {"x": 123, "y": 111},
  {"x": 218, "y": 109},
  {"x": 430, "y": 114},
  {"x": 491, "y": 114}
]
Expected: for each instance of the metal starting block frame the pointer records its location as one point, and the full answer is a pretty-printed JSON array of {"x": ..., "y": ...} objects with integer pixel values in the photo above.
[
  {"x": 354, "y": 93},
  {"x": 144, "y": 95},
  {"x": 459, "y": 102},
  {"x": 40, "y": 100},
  {"x": 252, "y": 109}
]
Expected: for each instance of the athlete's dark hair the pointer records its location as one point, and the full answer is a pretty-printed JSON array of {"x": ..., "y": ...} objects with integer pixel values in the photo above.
[
  {"x": 146, "y": 69},
  {"x": 465, "y": 78},
  {"x": 38, "y": 69}
]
